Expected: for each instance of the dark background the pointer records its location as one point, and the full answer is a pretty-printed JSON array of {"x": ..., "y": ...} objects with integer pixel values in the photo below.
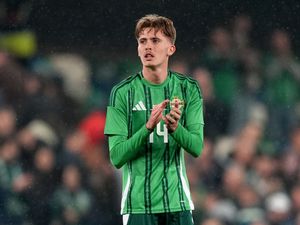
[{"x": 109, "y": 25}]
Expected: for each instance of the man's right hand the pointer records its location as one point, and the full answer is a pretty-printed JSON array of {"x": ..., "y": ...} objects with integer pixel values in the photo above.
[{"x": 156, "y": 115}]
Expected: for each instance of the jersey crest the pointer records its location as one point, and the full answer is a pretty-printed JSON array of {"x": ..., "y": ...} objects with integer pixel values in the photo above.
[{"x": 177, "y": 101}]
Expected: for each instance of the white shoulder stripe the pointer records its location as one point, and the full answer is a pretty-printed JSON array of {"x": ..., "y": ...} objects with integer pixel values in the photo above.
[
  {"x": 125, "y": 219},
  {"x": 125, "y": 194},
  {"x": 185, "y": 187}
]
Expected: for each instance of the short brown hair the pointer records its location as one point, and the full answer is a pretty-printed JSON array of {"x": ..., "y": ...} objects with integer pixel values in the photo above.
[{"x": 157, "y": 23}]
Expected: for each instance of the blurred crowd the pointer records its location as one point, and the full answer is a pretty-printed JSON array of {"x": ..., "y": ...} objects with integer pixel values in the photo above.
[
  {"x": 54, "y": 161},
  {"x": 54, "y": 166},
  {"x": 249, "y": 171}
]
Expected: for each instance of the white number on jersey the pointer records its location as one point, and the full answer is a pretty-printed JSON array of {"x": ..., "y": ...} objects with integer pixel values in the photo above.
[{"x": 160, "y": 132}]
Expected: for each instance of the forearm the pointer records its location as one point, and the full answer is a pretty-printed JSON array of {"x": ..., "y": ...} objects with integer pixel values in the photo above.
[
  {"x": 190, "y": 140},
  {"x": 123, "y": 150}
]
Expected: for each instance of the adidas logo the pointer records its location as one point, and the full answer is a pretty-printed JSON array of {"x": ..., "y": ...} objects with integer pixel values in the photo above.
[{"x": 139, "y": 107}]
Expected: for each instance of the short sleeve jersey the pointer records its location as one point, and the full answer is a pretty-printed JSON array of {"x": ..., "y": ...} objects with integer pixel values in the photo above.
[{"x": 155, "y": 180}]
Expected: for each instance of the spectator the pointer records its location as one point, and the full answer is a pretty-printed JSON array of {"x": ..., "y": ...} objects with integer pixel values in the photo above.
[
  {"x": 216, "y": 114},
  {"x": 278, "y": 207},
  {"x": 44, "y": 182},
  {"x": 234, "y": 177},
  {"x": 71, "y": 202},
  {"x": 241, "y": 31},
  {"x": 282, "y": 74},
  {"x": 11, "y": 78},
  {"x": 72, "y": 147},
  {"x": 208, "y": 172},
  {"x": 250, "y": 208},
  {"x": 211, "y": 221},
  {"x": 218, "y": 58},
  {"x": 265, "y": 178},
  {"x": 7, "y": 121},
  {"x": 246, "y": 144},
  {"x": 180, "y": 66},
  {"x": 13, "y": 184},
  {"x": 295, "y": 198}
]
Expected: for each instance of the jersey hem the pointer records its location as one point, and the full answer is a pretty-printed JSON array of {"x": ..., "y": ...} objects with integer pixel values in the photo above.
[{"x": 157, "y": 211}]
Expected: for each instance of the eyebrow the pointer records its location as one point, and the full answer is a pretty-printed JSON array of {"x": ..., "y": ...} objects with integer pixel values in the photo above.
[{"x": 151, "y": 38}]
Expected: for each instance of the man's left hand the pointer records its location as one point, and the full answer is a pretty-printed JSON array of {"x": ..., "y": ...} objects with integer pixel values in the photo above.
[{"x": 171, "y": 119}]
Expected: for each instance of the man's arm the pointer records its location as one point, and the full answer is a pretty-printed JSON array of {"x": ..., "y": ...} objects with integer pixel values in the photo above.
[
  {"x": 191, "y": 137},
  {"x": 122, "y": 149},
  {"x": 191, "y": 140}
]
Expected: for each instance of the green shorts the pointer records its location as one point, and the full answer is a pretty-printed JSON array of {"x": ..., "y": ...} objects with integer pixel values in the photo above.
[{"x": 174, "y": 218}]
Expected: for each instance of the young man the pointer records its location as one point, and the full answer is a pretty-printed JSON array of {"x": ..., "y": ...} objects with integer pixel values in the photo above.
[{"x": 153, "y": 117}]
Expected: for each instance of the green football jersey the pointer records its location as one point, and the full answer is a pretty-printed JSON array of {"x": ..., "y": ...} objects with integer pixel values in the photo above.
[{"x": 154, "y": 174}]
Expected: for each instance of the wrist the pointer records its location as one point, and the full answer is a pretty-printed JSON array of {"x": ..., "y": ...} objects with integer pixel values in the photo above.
[
  {"x": 150, "y": 129},
  {"x": 176, "y": 130},
  {"x": 172, "y": 130}
]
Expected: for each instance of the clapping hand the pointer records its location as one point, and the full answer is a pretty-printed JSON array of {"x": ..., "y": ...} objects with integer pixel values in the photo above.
[{"x": 172, "y": 118}]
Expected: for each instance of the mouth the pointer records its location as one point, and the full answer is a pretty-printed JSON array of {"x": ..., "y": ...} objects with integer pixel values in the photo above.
[{"x": 148, "y": 56}]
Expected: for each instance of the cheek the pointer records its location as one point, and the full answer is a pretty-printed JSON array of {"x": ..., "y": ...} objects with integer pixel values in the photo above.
[
  {"x": 166, "y": 50},
  {"x": 139, "y": 50},
  {"x": 162, "y": 52}
]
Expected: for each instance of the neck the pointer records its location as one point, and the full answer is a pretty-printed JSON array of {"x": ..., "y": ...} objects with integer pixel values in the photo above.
[{"x": 155, "y": 75}]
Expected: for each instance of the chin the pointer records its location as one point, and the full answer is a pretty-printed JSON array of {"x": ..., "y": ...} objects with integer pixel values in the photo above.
[{"x": 149, "y": 64}]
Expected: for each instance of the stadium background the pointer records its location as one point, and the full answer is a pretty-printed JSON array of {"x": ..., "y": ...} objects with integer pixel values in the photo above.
[{"x": 58, "y": 62}]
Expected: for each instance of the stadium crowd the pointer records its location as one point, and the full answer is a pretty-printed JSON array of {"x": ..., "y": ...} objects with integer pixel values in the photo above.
[{"x": 54, "y": 161}]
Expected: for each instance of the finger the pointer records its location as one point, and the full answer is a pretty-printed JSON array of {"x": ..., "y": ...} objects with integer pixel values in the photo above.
[
  {"x": 175, "y": 115},
  {"x": 177, "y": 110},
  {"x": 157, "y": 114},
  {"x": 164, "y": 103},
  {"x": 176, "y": 105},
  {"x": 160, "y": 106},
  {"x": 165, "y": 120},
  {"x": 170, "y": 119}
]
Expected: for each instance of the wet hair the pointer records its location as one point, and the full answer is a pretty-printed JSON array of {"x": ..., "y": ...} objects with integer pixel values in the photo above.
[{"x": 157, "y": 23}]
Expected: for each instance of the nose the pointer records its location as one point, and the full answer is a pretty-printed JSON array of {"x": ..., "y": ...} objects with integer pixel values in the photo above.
[{"x": 148, "y": 45}]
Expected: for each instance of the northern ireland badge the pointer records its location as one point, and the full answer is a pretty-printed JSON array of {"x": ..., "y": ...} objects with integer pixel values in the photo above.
[{"x": 177, "y": 101}]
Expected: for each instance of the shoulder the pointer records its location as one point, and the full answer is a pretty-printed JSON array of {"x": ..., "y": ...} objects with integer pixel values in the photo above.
[
  {"x": 121, "y": 88},
  {"x": 189, "y": 84},
  {"x": 126, "y": 83},
  {"x": 186, "y": 80}
]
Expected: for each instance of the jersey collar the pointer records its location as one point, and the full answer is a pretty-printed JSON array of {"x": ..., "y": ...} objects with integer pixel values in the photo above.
[{"x": 147, "y": 83}]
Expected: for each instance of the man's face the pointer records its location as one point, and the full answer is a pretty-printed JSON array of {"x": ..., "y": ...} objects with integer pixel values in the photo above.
[{"x": 154, "y": 48}]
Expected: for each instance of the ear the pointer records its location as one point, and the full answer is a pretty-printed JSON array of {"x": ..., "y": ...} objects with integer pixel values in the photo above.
[{"x": 171, "y": 50}]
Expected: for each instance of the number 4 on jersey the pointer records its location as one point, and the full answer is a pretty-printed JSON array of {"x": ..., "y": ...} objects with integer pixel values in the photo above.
[{"x": 160, "y": 132}]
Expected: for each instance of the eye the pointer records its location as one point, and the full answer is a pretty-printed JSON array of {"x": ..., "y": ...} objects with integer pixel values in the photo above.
[
  {"x": 142, "y": 41},
  {"x": 155, "y": 40}
]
